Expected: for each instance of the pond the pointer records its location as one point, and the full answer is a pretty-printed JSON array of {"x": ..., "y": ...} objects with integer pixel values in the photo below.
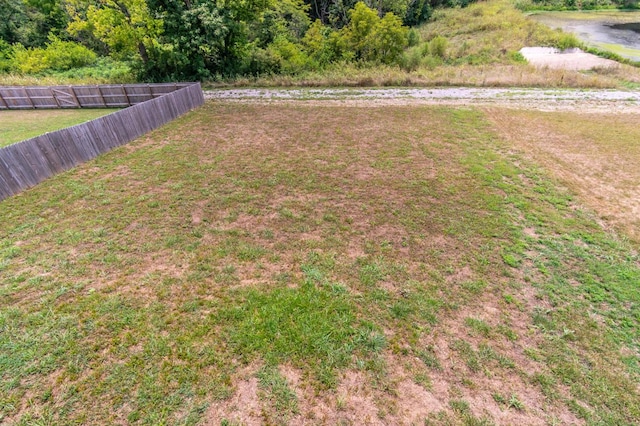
[{"x": 615, "y": 31}]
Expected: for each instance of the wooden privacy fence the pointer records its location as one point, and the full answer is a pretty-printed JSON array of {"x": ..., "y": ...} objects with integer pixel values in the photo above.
[
  {"x": 103, "y": 96},
  {"x": 29, "y": 162}
]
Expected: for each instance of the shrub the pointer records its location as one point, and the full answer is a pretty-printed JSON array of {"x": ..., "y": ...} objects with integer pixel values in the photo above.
[
  {"x": 5, "y": 56},
  {"x": 292, "y": 58},
  {"x": 261, "y": 62},
  {"x": 567, "y": 41},
  {"x": 373, "y": 39},
  {"x": 323, "y": 45},
  {"x": 389, "y": 39},
  {"x": 65, "y": 55},
  {"x": 411, "y": 59},
  {"x": 28, "y": 61},
  {"x": 418, "y": 12},
  {"x": 413, "y": 37},
  {"x": 58, "y": 55},
  {"x": 105, "y": 69},
  {"x": 438, "y": 47}
]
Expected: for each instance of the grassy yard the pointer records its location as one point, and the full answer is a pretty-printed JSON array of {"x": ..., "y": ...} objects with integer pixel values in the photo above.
[
  {"x": 16, "y": 126},
  {"x": 327, "y": 264}
]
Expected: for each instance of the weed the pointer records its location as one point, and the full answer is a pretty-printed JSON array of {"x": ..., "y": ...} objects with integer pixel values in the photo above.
[
  {"x": 515, "y": 403},
  {"x": 478, "y": 326},
  {"x": 281, "y": 398}
]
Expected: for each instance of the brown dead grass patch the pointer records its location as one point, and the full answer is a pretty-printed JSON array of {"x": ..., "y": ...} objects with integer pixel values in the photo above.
[{"x": 595, "y": 155}]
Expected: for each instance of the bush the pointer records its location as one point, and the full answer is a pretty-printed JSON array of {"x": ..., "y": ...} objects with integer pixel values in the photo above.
[
  {"x": 438, "y": 47},
  {"x": 292, "y": 58},
  {"x": 58, "y": 55},
  {"x": 411, "y": 59},
  {"x": 5, "y": 56},
  {"x": 413, "y": 37},
  {"x": 323, "y": 45},
  {"x": 417, "y": 13},
  {"x": 65, "y": 55},
  {"x": 261, "y": 62},
  {"x": 373, "y": 39},
  {"x": 104, "y": 69},
  {"x": 567, "y": 41},
  {"x": 28, "y": 61}
]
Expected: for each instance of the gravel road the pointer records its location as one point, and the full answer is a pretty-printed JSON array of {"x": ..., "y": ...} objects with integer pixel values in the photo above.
[{"x": 583, "y": 100}]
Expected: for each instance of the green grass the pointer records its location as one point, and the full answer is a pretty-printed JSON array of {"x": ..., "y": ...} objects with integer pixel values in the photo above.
[
  {"x": 357, "y": 247},
  {"x": 16, "y": 126}
]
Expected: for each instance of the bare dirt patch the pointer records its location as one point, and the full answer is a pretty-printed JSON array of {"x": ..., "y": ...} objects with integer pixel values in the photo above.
[{"x": 573, "y": 59}]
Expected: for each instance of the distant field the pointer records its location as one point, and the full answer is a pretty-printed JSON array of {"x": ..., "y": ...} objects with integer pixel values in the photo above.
[
  {"x": 307, "y": 263},
  {"x": 16, "y": 126}
]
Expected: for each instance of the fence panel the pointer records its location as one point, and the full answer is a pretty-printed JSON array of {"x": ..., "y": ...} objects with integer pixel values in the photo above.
[
  {"x": 29, "y": 162},
  {"x": 102, "y": 96}
]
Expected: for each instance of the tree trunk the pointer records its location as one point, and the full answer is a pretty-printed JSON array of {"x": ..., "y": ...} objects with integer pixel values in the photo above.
[{"x": 143, "y": 52}]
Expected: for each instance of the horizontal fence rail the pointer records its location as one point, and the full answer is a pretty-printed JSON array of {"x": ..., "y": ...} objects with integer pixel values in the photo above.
[
  {"x": 27, "y": 163},
  {"x": 102, "y": 96}
]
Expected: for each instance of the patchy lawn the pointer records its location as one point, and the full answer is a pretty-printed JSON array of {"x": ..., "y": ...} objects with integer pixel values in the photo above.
[
  {"x": 16, "y": 126},
  {"x": 293, "y": 263},
  {"x": 596, "y": 155}
]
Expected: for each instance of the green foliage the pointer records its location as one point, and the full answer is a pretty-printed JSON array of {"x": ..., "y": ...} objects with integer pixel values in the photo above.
[
  {"x": 412, "y": 59},
  {"x": 28, "y": 61},
  {"x": 285, "y": 18},
  {"x": 166, "y": 40},
  {"x": 290, "y": 55},
  {"x": 567, "y": 41},
  {"x": 58, "y": 55},
  {"x": 127, "y": 27},
  {"x": 65, "y": 55},
  {"x": 373, "y": 39},
  {"x": 323, "y": 44},
  {"x": 104, "y": 69},
  {"x": 418, "y": 12},
  {"x": 29, "y": 22},
  {"x": 6, "y": 52},
  {"x": 413, "y": 38},
  {"x": 438, "y": 47}
]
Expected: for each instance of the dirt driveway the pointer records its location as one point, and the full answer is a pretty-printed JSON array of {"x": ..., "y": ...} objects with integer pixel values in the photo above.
[{"x": 582, "y": 100}]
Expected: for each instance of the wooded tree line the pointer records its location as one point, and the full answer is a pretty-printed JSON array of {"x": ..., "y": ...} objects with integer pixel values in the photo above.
[{"x": 201, "y": 39}]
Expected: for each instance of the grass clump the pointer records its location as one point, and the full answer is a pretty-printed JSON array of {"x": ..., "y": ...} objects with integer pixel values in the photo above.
[{"x": 310, "y": 327}]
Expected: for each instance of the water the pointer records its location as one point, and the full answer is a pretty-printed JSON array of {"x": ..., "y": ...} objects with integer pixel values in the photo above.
[{"x": 615, "y": 31}]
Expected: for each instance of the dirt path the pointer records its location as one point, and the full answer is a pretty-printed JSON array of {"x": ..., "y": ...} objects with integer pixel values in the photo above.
[{"x": 623, "y": 101}]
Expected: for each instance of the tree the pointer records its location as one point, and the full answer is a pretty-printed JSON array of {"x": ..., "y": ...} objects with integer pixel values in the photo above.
[
  {"x": 22, "y": 24},
  {"x": 373, "y": 39},
  {"x": 125, "y": 26},
  {"x": 389, "y": 39}
]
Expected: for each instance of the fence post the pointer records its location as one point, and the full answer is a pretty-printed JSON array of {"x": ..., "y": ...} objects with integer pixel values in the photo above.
[
  {"x": 3, "y": 101},
  {"x": 53, "y": 95},
  {"x": 28, "y": 97},
  {"x": 75, "y": 98},
  {"x": 126, "y": 94}
]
